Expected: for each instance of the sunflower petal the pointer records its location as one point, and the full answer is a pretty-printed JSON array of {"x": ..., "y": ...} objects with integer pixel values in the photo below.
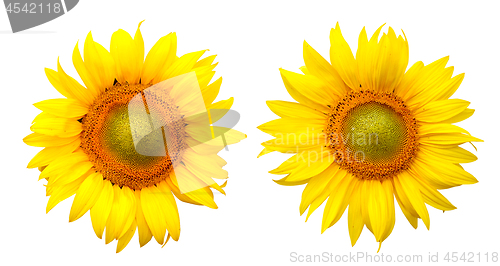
[
  {"x": 87, "y": 195},
  {"x": 125, "y": 239},
  {"x": 342, "y": 58},
  {"x": 122, "y": 213},
  {"x": 126, "y": 55},
  {"x": 67, "y": 108},
  {"x": 49, "y": 154},
  {"x": 441, "y": 110},
  {"x": 410, "y": 188},
  {"x": 145, "y": 234},
  {"x": 311, "y": 87},
  {"x": 40, "y": 140},
  {"x": 294, "y": 110},
  {"x": 318, "y": 66},
  {"x": 99, "y": 213},
  {"x": 338, "y": 201},
  {"x": 354, "y": 217},
  {"x": 159, "y": 58}
]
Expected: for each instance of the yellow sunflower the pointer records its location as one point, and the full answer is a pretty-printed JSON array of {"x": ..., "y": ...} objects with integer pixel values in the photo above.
[
  {"x": 137, "y": 135},
  {"x": 365, "y": 131}
]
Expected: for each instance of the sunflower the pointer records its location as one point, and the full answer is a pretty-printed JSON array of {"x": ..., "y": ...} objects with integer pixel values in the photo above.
[
  {"x": 107, "y": 141},
  {"x": 365, "y": 130}
]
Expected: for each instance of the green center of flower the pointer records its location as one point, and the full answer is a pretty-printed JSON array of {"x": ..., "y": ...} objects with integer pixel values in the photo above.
[
  {"x": 374, "y": 132},
  {"x": 117, "y": 138}
]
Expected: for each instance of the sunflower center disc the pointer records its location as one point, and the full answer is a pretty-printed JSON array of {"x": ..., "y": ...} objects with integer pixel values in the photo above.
[
  {"x": 117, "y": 138},
  {"x": 120, "y": 141},
  {"x": 374, "y": 132},
  {"x": 372, "y": 135}
]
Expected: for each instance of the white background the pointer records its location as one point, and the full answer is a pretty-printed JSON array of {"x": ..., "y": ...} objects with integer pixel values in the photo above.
[{"x": 258, "y": 221}]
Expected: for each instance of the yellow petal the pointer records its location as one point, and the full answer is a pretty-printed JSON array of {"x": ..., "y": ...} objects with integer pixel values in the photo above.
[
  {"x": 382, "y": 63},
  {"x": 405, "y": 205},
  {"x": 192, "y": 187},
  {"x": 454, "y": 154},
  {"x": 431, "y": 196},
  {"x": 338, "y": 201},
  {"x": 410, "y": 188},
  {"x": 460, "y": 117},
  {"x": 122, "y": 213},
  {"x": 173, "y": 221},
  {"x": 40, "y": 140},
  {"x": 53, "y": 78},
  {"x": 68, "y": 108},
  {"x": 156, "y": 207},
  {"x": 69, "y": 174},
  {"x": 126, "y": 54},
  {"x": 61, "y": 193},
  {"x": 294, "y": 110},
  {"x": 294, "y": 125},
  {"x": 205, "y": 61},
  {"x": 426, "y": 81},
  {"x": 302, "y": 96},
  {"x": 319, "y": 67},
  {"x": 159, "y": 58},
  {"x": 448, "y": 139},
  {"x": 99, "y": 64},
  {"x": 311, "y": 87},
  {"x": 49, "y": 154},
  {"x": 316, "y": 185},
  {"x": 430, "y": 175},
  {"x": 442, "y": 128},
  {"x": 449, "y": 171},
  {"x": 181, "y": 66},
  {"x": 387, "y": 199},
  {"x": 406, "y": 88},
  {"x": 145, "y": 234},
  {"x": 354, "y": 216},
  {"x": 125, "y": 239},
  {"x": 58, "y": 127},
  {"x": 441, "y": 110},
  {"x": 211, "y": 91},
  {"x": 87, "y": 195},
  {"x": 64, "y": 163},
  {"x": 99, "y": 213},
  {"x": 74, "y": 88},
  {"x": 342, "y": 58},
  {"x": 430, "y": 76}
]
